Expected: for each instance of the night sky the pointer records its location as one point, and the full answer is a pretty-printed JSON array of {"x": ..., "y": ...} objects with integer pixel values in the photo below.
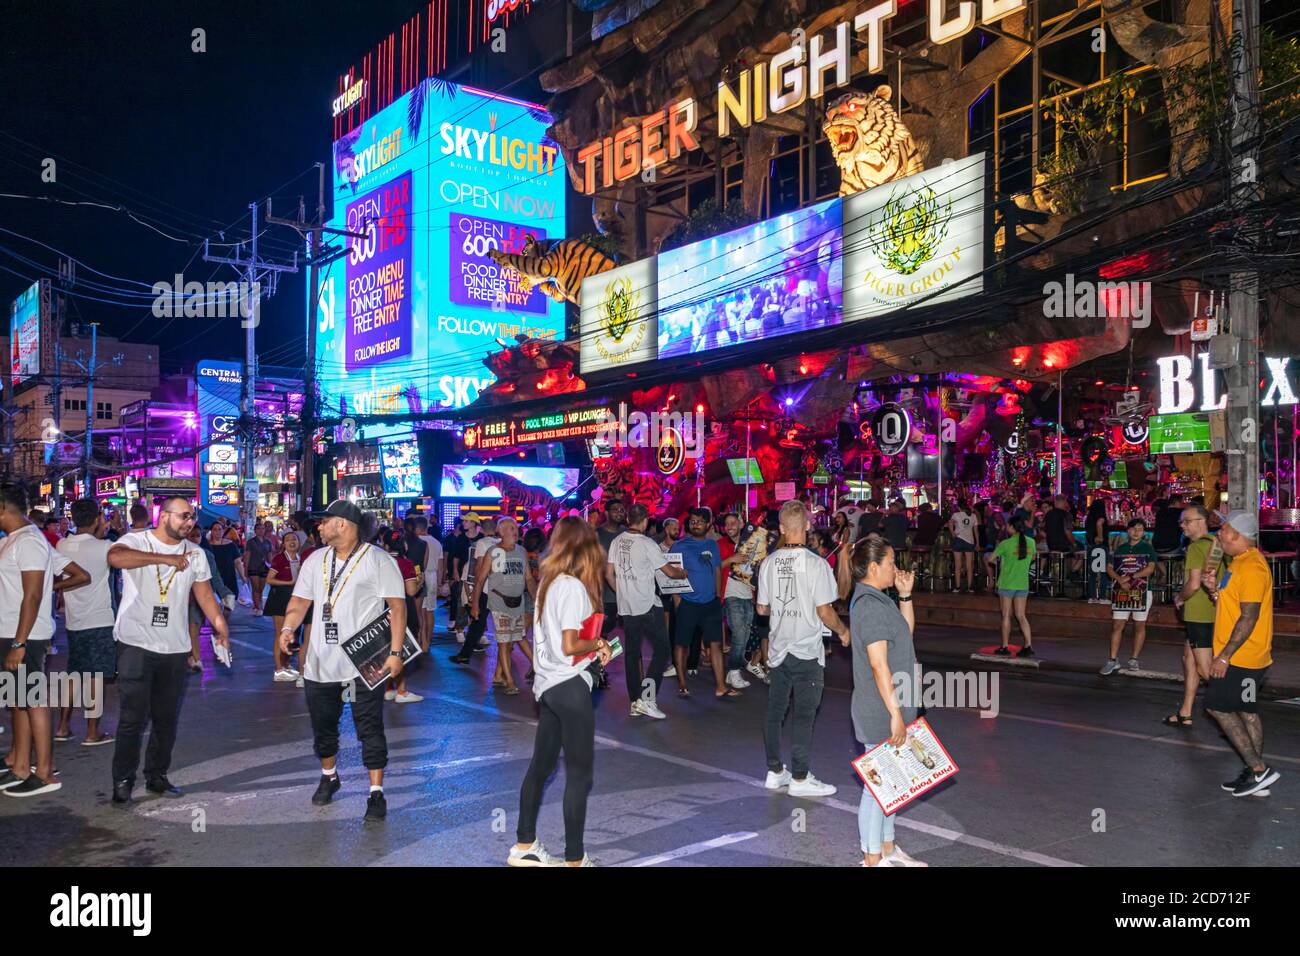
[{"x": 186, "y": 140}]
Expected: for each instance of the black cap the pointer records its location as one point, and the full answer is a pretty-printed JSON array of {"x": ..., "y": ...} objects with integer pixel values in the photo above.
[{"x": 343, "y": 509}]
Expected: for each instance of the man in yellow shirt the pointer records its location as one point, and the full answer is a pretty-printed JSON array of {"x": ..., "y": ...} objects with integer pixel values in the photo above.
[{"x": 1243, "y": 650}]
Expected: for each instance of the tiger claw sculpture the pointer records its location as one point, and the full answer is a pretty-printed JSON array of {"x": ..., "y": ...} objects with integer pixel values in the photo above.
[
  {"x": 556, "y": 268},
  {"x": 870, "y": 143},
  {"x": 530, "y": 368}
]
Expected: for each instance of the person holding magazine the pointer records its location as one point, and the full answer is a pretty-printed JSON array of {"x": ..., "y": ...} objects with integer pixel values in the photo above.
[
  {"x": 348, "y": 583},
  {"x": 566, "y": 640},
  {"x": 881, "y": 634}
]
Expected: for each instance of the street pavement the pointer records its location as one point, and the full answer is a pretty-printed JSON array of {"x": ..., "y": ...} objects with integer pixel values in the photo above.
[{"x": 1075, "y": 770}]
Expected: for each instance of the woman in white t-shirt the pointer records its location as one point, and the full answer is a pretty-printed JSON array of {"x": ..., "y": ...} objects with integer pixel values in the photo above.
[
  {"x": 569, "y": 593},
  {"x": 964, "y": 524}
]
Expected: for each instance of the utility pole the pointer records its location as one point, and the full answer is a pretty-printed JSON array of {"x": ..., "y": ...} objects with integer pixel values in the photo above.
[
  {"x": 317, "y": 255},
  {"x": 90, "y": 406},
  {"x": 1243, "y": 299},
  {"x": 247, "y": 401}
]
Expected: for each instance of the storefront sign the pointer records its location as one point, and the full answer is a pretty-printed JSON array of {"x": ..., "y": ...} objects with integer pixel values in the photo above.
[
  {"x": 168, "y": 485},
  {"x": 618, "y": 326},
  {"x": 892, "y": 427},
  {"x": 783, "y": 83},
  {"x": 352, "y": 94},
  {"x": 1177, "y": 391},
  {"x": 671, "y": 452},
  {"x": 221, "y": 467},
  {"x": 1279, "y": 390},
  {"x": 108, "y": 486},
  {"x": 523, "y": 430}
]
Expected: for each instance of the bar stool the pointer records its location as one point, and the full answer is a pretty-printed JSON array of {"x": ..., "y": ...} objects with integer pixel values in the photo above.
[{"x": 1162, "y": 584}]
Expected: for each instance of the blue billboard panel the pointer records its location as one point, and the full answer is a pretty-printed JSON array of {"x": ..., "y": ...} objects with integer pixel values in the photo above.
[
  {"x": 505, "y": 481},
  {"x": 25, "y": 335},
  {"x": 435, "y": 182},
  {"x": 776, "y": 277},
  {"x": 219, "y": 388},
  {"x": 399, "y": 463}
]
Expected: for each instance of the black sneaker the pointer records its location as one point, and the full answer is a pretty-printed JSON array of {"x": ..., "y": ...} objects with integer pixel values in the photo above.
[
  {"x": 122, "y": 791},
  {"x": 163, "y": 787},
  {"x": 462, "y": 658},
  {"x": 1003, "y": 652},
  {"x": 33, "y": 786},
  {"x": 1253, "y": 783},
  {"x": 1025, "y": 651},
  {"x": 1235, "y": 782},
  {"x": 9, "y": 779},
  {"x": 376, "y": 806},
  {"x": 326, "y": 789}
]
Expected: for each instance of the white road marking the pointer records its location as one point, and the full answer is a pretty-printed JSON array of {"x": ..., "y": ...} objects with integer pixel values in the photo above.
[
  {"x": 954, "y": 836},
  {"x": 724, "y": 840}
]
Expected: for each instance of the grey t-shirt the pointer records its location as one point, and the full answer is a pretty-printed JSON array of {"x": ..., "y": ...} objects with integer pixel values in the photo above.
[
  {"x": 506, "y": 579},
  {"x": 874, "y": 617}
]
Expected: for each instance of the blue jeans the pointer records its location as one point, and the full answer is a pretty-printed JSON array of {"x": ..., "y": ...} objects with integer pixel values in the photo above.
[
  {"x": 740, "y": 619},
  {"x": 874, "y": 828}
]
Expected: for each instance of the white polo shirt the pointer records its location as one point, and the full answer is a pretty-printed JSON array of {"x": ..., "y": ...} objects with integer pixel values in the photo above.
[
  {"x": 142, "y": 595},
  {"x": 360, "y": 590}
]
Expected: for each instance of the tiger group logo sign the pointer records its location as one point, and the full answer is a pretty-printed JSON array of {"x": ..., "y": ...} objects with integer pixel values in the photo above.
[{"x": 618, "y": 309}]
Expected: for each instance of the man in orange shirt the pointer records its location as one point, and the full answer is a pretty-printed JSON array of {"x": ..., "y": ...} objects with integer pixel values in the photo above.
[{"x": 1243, "y": 651}]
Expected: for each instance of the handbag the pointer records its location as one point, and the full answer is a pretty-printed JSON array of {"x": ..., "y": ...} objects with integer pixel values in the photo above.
[{"x": 509, "y": 601}]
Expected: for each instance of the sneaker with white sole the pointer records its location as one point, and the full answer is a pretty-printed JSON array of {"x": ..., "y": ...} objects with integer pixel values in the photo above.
[
  {"x": 283, "y": 676},
  {"x": 299, "y": 682},
  {"x": 1110, "y": 667},
  {"x": 33, "y": 786},
  {"x": 810, "y": 786},
  {"x": 650, "y": 709},
  {"x": 775, "y": 781},
  {"x": 460, "y": 638},
  {"x": 757, "y": 671},
  {"x": 1254, "y": 782},
  {"x": 899, "y": 858},
  {"x": 533, "y": 855},
  {"x": 390, "y": 695},
  {"x": 1133, "y": 664},
  {"x": 671, "y": 672},
  {"x": 586, "y": 861},
  {"x": 736, "y": 681},
  {"x": 410, "y": 697},
  {"x": 884, "y": 861}
]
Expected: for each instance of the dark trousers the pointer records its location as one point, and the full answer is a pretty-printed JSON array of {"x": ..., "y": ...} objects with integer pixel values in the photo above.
[
  {"x": 325, "y": 705},
  {"x": 804, "y": 681},
  {"x": 566, "y": 719},
  {"x": 477, "y": 626},
  {"x": 453, "y": 607},
  {"x": 650, "y": 627},
  {"x": 150, "y": 689}
]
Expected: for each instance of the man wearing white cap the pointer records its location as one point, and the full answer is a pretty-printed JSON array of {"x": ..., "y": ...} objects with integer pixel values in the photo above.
[{"x": 1243, "y": 651}]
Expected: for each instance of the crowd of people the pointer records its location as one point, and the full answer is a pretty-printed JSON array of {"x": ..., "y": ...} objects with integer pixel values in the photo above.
[{"x": 572, "y": 596}]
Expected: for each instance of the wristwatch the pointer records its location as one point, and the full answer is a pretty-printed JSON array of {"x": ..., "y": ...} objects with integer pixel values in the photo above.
[
  {"x": 905, "y": 597},
  {"x": 394, "y": 653},
  {"x": 18, "y": 647}
]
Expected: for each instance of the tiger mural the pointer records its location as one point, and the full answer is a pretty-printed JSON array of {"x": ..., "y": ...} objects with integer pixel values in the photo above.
[
  {"x": 514, "y": 493},
  {"x": 557, "y": 268},
  {"x": 870, "y": 143}
]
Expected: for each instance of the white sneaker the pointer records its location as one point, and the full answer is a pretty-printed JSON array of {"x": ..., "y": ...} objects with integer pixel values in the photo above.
[
  {"x": 899, "y": 858},
  {"x": 534, "y": 855},
  {"x": 298, "y": 682},
  {"x": 409, "y": 697},
  {"x": 884, "y": 861},
  {"x": 460, "y": 638},
  {"x": 757, "y": 671},
  {"x": 650, "y": 709},
  {"x": 390, "y": 695},
  {"x": 637, "y": 709},
  {"x": 775, "y": 781},
  {"x": 671, "y": 672},
  {"x": 735, "y": 680},
  {"x": 281, "y": 676},
  {"x": 810, "y": 786}
]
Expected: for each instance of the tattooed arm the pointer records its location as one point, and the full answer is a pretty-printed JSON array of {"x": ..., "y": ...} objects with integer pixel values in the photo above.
[{"x": 1240, "y": 632}]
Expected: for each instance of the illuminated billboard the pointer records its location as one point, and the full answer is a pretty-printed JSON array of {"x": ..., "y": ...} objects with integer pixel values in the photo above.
[
  {"x": 916, "y": 238},
  {"x": 25, "y": 335},
  {"x": 516, "y": 483},
  {"x": 219, "y": 385},
  {"x": 435, "y": 182},
  {"x": 399, "y": 461},
  {"x": 618, "y": 316},
  {"x": 776, "y": 277}
]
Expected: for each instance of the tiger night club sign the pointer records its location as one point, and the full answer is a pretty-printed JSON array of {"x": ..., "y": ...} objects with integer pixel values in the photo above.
[{"x": 783, "y": 83}]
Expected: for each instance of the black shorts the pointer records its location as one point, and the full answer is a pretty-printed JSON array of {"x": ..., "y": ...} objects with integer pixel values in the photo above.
[
  {"x": 707, "y": 617},
  {"x": 1235, "y": 692},
  {"x": 33, "y": 659},
  {"x": 92, "y": 651},
  {"x": 1200, "y": 634}
]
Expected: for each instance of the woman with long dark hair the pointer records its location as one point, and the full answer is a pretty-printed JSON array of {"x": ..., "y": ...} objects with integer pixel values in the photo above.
[
  {"x": 572, "y": 571},
  {"x": 882, "y": 647},
  {"x": 1013, "y": 558}
]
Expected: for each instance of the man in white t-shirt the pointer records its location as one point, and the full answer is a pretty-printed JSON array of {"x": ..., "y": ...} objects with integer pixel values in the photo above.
[
  {"x": 29, "y": 577},
  {"x": 160, "y": 569},
  {"x": 88, "y": 614},
  {"x": 478, "y": 550},
  {"x": 796, "y": 588},
  {"x": 350, "y": 583},
  {"x": 433, "y": 565},
  {"x": 630, "y": 572}
]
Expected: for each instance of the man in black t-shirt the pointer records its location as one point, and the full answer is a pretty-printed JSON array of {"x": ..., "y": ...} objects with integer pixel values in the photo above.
[{"x": 1167, "y": 535}]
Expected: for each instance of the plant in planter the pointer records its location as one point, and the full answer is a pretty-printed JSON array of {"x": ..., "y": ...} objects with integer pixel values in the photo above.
[{"x": 1089, "y": 125}]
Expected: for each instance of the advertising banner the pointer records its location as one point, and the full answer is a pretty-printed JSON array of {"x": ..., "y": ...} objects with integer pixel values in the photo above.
[
  {"x": 219, "y": 386},
  {"x": 914, "y": 237},
  {"x": 618, "y": 321},
  {"x": 436, "y": 181},
  {"x": 524, "y": 485},
  {"x": 898, "y": 775},
  {"x": 25, "y": 335}
]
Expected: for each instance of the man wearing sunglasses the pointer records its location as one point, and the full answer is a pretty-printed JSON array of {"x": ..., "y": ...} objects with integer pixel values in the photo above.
[{"x": 160, "y": 568}]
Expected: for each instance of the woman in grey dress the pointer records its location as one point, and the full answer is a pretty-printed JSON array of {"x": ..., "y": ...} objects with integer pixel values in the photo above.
[
  {"x": 882, "y": 647},
  {"x": 506, "y": 583}
]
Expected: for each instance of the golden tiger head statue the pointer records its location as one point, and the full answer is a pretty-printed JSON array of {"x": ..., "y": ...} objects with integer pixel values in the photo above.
[{"x": 870, "y": 143}]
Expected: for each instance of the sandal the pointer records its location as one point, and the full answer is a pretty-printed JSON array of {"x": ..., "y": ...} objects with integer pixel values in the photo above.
[
  {"x": 498, "y": 682},
  {"x": 511, "y": 691},
  {"x": 64, "y": 738},
  {"x": 683, "y": 692},
  {"x": 1177, "y": 720},
  {"x": 730, "y": 692}
]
